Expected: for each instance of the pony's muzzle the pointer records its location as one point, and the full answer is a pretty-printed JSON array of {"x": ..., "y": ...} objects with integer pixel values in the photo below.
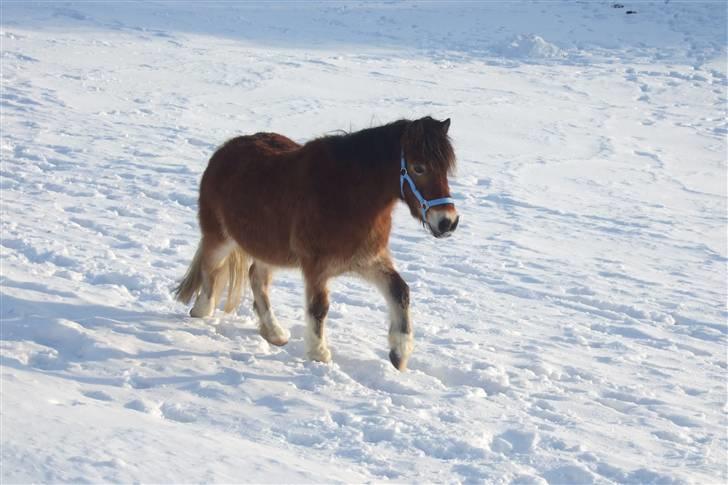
[
  {"x": 448, "y": 225},
  {"x": 443, "y": 222}
]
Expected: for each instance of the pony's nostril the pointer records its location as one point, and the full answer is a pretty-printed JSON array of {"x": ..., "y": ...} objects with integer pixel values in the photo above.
[
  {"x": 455, "y": 224},
  {"x": 444, "y": 225}
]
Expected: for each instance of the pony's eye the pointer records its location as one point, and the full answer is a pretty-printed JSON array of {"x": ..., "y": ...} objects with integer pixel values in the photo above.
[{"x": 418, "y": 169}]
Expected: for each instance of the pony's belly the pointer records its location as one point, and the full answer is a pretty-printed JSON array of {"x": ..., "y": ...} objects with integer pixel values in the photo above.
[
  {"x": 267, "y": 250},
  {"x": 280, "y": 261}
]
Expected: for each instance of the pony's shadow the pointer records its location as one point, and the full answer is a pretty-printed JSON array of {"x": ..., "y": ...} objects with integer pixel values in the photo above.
[{"x": 59, "y": 335}]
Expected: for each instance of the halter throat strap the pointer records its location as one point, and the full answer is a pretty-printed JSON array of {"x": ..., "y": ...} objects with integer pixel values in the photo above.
[{"x": 425, "y": 204}]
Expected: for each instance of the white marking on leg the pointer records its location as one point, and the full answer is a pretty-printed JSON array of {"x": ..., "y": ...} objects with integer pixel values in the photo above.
[
  {"x": 316, "y": 348},
  {"x": 396, "y": 294},
  {"x": 317, "y": 307},
  {"x": 271, "y": 330},
  {"x": 402, "y": 344}
]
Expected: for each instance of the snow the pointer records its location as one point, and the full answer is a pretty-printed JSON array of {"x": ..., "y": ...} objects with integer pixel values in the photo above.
[
  {"x": 526, "y": 46},
  {"x": 573, "y": 330}
]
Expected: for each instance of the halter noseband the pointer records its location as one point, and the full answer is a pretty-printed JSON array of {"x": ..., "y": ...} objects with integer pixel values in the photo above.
[{"x": 424, "y": 203}]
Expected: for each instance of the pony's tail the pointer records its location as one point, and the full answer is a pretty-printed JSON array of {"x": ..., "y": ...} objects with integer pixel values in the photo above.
[
  {"x": 233, "y": 271},
  {"x": 237, "y": 266},
  {"x": 192, "y": 281}
]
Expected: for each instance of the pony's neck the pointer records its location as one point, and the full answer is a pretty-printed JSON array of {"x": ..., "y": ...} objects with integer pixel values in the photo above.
[
  {"x": 380, "y": 186},
  {"x": 380, "y": 165},
  {"x": 366, "y": 165}
]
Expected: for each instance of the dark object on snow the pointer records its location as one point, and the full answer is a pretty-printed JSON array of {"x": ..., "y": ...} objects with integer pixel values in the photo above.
[
  {"x": 630, "y": 12},
  {"x": 617, "y": 5}
]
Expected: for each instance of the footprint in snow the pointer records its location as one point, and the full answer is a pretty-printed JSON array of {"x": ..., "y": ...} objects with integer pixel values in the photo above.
[
  {"x": 569, "y": 474},
  {"x": 515, "y": 441},
  {"x": 98, "y": 395},
  {"x": 177, "y": 412},
  {"x": 144, "y": 406}
]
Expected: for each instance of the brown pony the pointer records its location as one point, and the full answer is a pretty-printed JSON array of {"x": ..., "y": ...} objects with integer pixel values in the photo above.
[{"x": 326, "y": 207}]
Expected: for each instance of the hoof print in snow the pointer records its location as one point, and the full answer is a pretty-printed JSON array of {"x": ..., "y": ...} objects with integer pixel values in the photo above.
[
  {"x": 98, "y": 395},
  {"x": 570, "y": 474},
  {"x": 515, "y": 441},
  {"x": 175, "y": 412},
  {"x": 144, "y": 406}
]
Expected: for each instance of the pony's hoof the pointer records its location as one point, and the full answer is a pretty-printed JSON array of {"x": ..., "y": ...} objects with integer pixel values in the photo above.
[
  {"x": 320, "y": 355},
  {"x": 200, "y": 312},
  {"x": 278, "y": 341},
  {"x": 277, "y": 337},
  {"x": 397, "y": 361}
]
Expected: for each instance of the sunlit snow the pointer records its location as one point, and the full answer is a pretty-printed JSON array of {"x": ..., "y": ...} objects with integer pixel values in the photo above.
[{"x": 573, "y": 330}]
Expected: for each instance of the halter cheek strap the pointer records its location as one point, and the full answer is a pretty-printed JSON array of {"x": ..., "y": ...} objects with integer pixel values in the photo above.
[{"x": 424, "y": 203}]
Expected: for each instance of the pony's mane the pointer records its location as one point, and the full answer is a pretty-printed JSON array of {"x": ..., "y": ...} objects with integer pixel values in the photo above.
[
  {"x": 426, "y": 140},
  {"x": 423, "y": 139}
]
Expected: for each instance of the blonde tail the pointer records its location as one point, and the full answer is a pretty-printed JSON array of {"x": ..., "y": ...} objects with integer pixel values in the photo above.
[
  {"x": 235, "y": 277},
  {"x": 237, "y": 263},
  {"x": 192, "y": 281}
]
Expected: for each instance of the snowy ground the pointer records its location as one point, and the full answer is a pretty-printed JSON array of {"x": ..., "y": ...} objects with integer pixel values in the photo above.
[{"x": 572, "y": 331}]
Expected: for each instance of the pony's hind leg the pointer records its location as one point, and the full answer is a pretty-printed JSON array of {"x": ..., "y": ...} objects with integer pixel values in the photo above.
[
  {"x": 212, "y": 254},
  {"x": 260, "y": 278},
  {"x": 396, "y": 292},
  {"x": 317, "y": 306}
]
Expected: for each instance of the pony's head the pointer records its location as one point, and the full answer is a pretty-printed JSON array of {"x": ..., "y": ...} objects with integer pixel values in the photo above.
[{"x": 427, "y": 159}]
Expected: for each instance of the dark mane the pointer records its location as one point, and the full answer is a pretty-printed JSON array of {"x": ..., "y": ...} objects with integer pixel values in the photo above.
[
  {"x": 423, "y": 140},
  {"x": 426, "y": 141},
  {"x": 368, "y": 146}
]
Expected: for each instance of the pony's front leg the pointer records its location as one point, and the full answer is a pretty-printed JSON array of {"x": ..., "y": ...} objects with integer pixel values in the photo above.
[
  {"x": 396, "y": 292},
  {"x": 260, "y": 278},
  {"x": 317, "y": 306}
]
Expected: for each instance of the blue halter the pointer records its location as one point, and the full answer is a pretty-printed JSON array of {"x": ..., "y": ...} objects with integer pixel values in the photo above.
[{"x": 424, "y": 203}]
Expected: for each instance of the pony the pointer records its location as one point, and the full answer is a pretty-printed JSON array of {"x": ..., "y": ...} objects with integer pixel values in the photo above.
[{"x": 325, "y": 207}]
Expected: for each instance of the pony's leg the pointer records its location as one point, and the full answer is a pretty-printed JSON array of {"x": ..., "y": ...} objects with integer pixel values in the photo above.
[
  {"x": 260, "y": 278},
  {"x": 396, "y": 292},
  {"x": 317, "y": 306},
  {"x": 213, "y": 251}
]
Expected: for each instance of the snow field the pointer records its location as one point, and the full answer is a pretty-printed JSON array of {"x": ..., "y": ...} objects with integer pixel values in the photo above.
[{"x": 572, "y": 331}]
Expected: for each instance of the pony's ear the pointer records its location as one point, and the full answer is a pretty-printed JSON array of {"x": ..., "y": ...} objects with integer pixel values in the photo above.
[{"x": 445, "y": 125}]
